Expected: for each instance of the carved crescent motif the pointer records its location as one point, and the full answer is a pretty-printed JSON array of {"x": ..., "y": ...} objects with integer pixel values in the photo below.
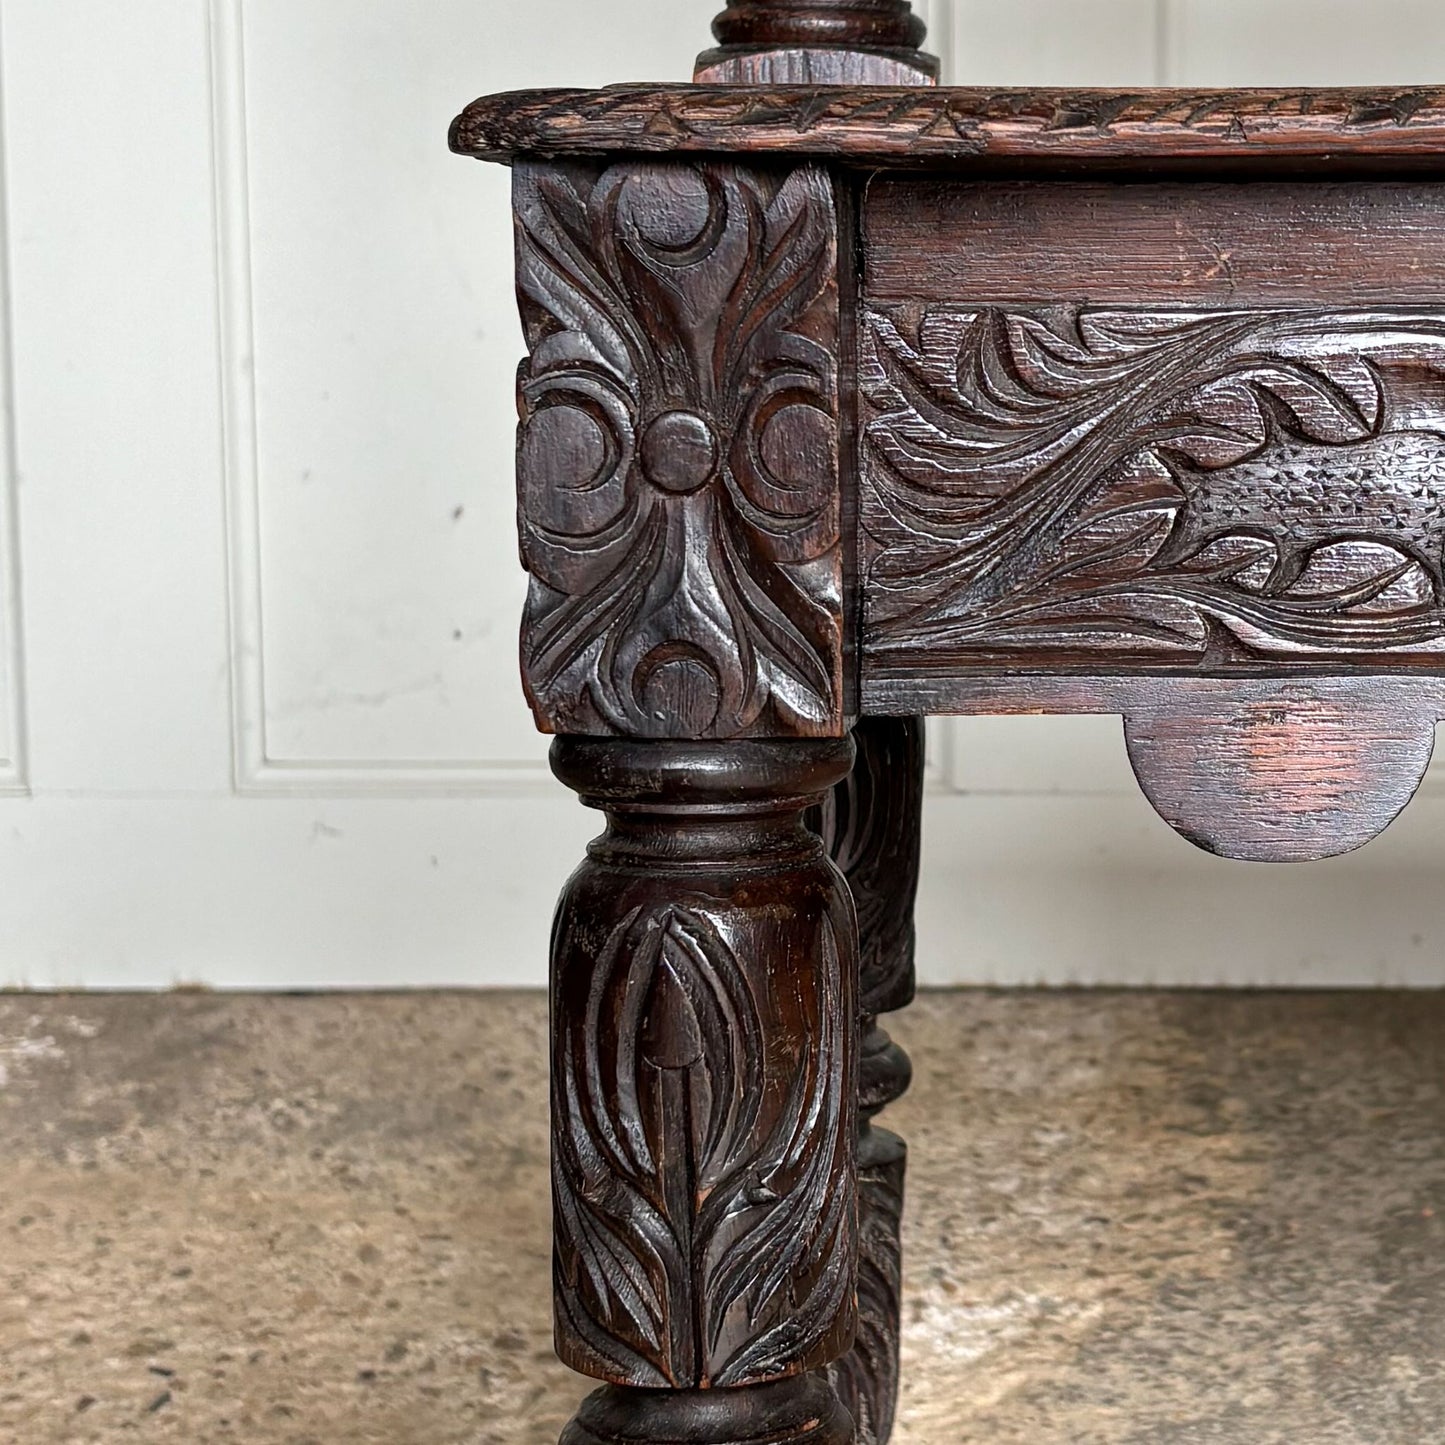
[{"x": 678, "y": 464}]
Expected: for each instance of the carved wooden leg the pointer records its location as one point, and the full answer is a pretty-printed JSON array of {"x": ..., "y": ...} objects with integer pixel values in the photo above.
[
  {"x": 871, "y": 824},
  {"x": 704, "y": 1080}
]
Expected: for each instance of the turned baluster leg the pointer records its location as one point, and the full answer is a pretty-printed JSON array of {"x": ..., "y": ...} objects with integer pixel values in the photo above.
[
  {"x": 681, "y": 478},
  {"x": 870, "y": 824},
  {"x": 704, "y": 1080}
]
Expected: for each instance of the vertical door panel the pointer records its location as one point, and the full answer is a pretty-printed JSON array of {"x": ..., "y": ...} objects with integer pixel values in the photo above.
[
  {"x": 121, "y": 537},
  {"x": 374, "y": 534}
]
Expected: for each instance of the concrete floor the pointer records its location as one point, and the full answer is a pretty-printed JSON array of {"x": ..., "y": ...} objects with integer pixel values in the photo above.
[{"x": 1134, "y": 1220}]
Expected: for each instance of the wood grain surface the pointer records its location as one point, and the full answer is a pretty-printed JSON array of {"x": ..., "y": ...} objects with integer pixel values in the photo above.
[
  {"x": 1361, "y": 243},
  {"x": 1270, "y": 771},
  {"x": 810, "y": 67}
]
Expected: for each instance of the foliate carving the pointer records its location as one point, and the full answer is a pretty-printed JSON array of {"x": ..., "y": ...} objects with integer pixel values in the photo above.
[
  {"x": 1053, "y": 487},
  {"x": 685, "y": 1229},
  {"x": 704, "y": 1082},
  {"x": 866, "y": 1378},
  {"x": 678, "y": 458},
  {"x": 871, "y": 825}
]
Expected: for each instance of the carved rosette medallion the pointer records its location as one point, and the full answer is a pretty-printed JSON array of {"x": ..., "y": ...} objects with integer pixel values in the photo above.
[
  {"x": 678, "y": 456},
  {"x": 1064, "y": 487}
]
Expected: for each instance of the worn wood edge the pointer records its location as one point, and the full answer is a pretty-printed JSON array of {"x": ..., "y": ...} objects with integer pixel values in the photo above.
[
  {"x": 1331, "y": 129},
  {"x": 811, "y": 65},
  {"x": 1016, "y": 694},
  {"x": 1288, "y": 773},
  {"x": 1266, "y": 769}
]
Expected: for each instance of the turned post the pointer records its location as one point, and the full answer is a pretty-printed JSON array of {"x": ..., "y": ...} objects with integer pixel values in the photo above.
[
  {"x": 704, "y": 976},
  {"x": 871, "y": 824},
  {"x": 681, "y": 509},
  {"x": 872, "y": 821},
  {"x": 850, "y": 42},
  {"x": 684, "y": 487}
]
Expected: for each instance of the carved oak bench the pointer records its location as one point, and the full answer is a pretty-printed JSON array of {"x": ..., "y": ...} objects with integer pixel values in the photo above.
[{"x": 852, "y": 399}]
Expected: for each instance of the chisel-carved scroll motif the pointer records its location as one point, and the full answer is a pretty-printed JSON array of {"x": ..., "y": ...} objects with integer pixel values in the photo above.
[{"x": 1160, "y": 489}]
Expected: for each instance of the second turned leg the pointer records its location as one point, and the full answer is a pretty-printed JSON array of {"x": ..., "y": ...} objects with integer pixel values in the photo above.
[
  {"x": 871, "y": 826},
  {"x": 704, "y": 1095}
]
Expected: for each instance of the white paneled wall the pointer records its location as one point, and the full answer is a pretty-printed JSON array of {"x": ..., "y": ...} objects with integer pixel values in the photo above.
[
  {"x": 1050, "y": 42},
  {"x": 1303, "y": 42},
  {"x": 259, "y": 724}
]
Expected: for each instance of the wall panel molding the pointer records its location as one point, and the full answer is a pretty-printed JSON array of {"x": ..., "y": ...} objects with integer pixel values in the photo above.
[
  {"x": 938, "y": 16},
  {"x": 14, "y": 756},
  {"x": 257, "y": 766}
]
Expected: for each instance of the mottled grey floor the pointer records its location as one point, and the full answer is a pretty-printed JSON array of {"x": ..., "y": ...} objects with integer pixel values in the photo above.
[{"x": 1134, "y": 1220}]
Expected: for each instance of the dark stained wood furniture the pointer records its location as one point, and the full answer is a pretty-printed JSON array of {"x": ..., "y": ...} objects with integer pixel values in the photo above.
[{"x": 851, "y": 399}]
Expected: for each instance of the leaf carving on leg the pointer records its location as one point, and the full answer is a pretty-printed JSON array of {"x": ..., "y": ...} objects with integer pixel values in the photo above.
[{"x": 702, "y": 1238}]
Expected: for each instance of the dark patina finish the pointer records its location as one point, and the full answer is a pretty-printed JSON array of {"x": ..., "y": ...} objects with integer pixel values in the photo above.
[{"x": 849, "y": 399}]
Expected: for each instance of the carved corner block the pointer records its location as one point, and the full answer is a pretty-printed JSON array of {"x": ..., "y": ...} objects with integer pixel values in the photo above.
[{"x": 679, "y": 450}]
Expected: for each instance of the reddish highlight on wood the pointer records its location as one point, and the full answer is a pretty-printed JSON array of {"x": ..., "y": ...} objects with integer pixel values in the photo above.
[
  {"x": 1282, "y": 772},
  {"x": 1352, "y": 243}
]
